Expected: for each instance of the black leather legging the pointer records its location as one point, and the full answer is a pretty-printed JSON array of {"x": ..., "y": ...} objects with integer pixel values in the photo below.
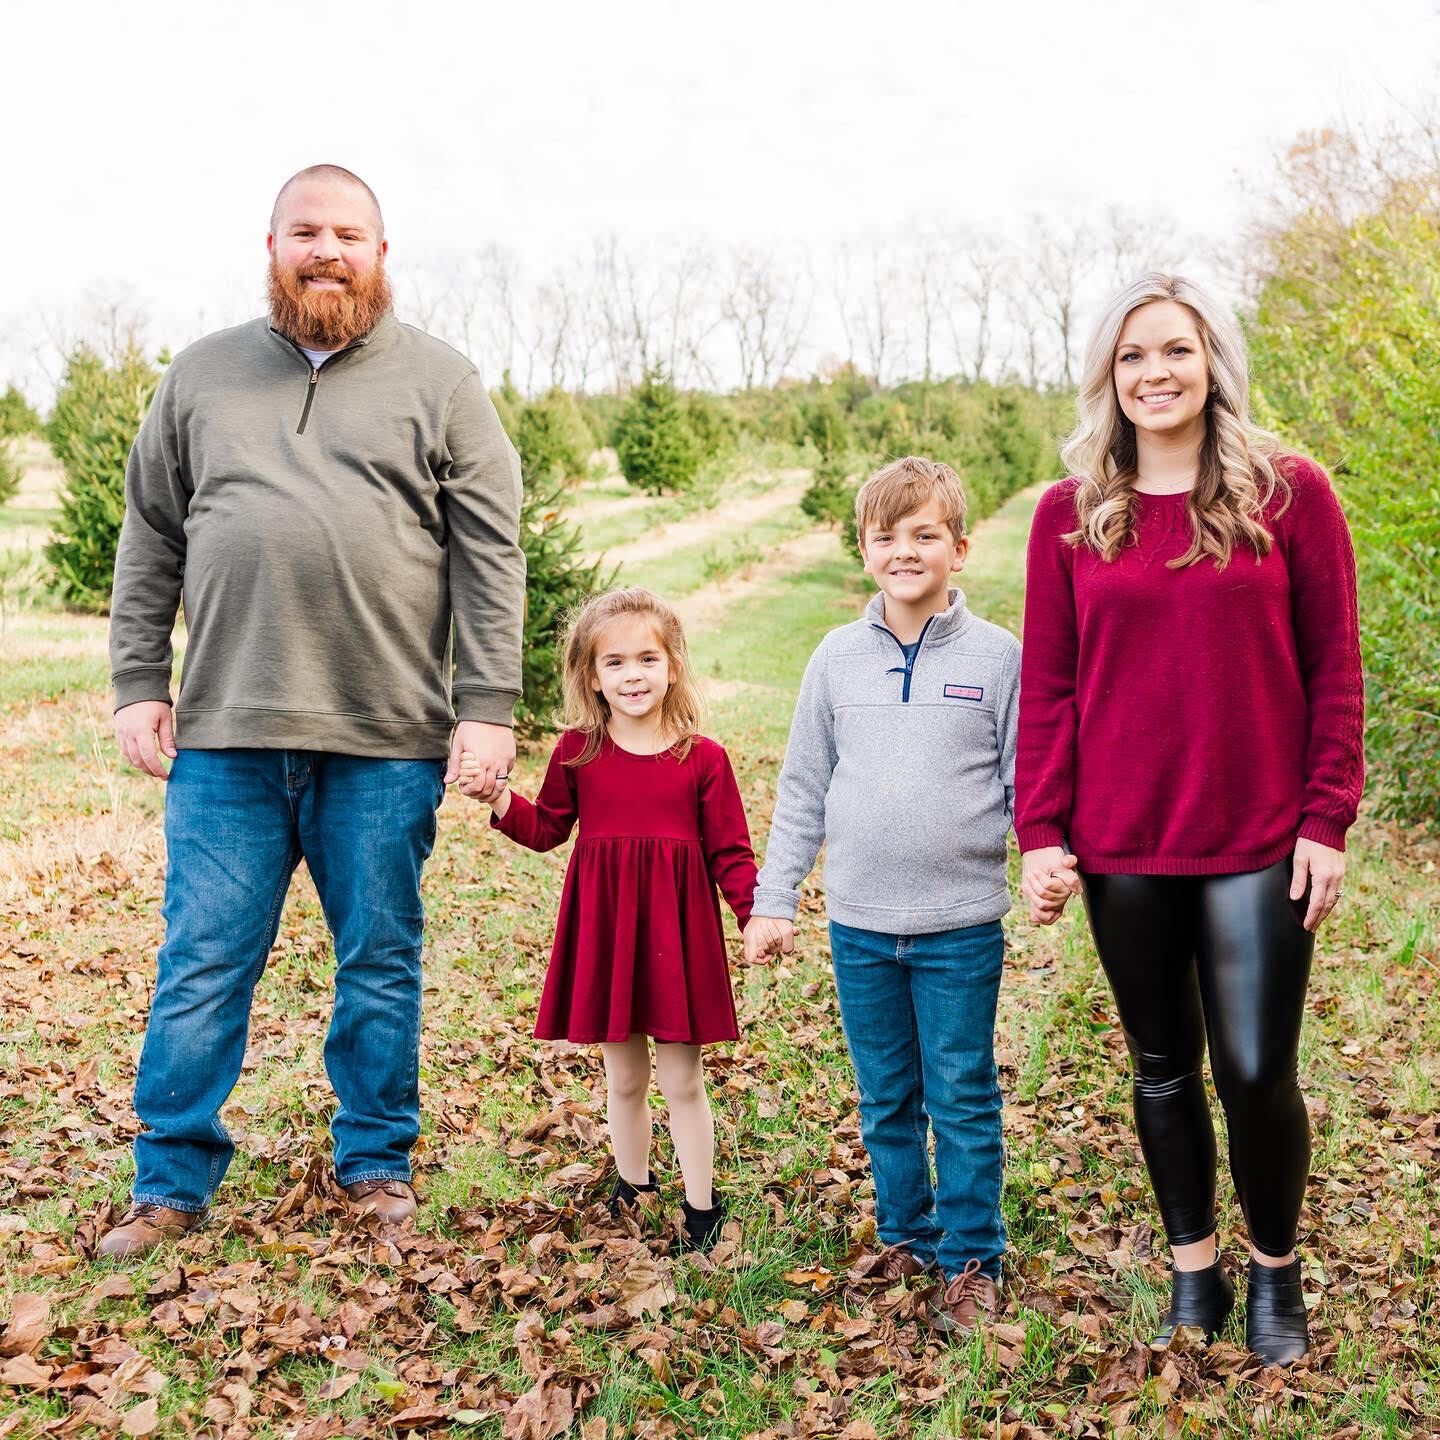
[{"x": 1225, "y": 955}]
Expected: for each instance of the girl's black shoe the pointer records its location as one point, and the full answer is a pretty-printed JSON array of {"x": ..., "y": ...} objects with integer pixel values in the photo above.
[
  {"x": 1197, "y": 1297},
  {"x": 702, "y": 1227},
  {"x": 1275, "y": 1327},
  {"x": 625, "y": 1193}
]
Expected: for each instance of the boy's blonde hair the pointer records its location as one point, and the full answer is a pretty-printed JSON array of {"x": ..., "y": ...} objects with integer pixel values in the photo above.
[
  {"x": 587, "y": 710},
  {"x": 902, "y": 487}
]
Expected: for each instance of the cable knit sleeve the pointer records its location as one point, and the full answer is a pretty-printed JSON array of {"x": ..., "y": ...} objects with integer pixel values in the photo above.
[
  {"x": 1045, "y": 751},
  {"x": 1327, "y": 635}
]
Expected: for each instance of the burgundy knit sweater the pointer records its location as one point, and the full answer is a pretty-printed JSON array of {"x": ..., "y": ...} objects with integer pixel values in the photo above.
[{"x": 1190, "y": 721}]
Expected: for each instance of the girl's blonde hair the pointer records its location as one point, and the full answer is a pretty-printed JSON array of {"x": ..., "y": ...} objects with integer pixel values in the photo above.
[
  {"x": 1238, "y": 475},
  {"x": 587, "y": 710}
]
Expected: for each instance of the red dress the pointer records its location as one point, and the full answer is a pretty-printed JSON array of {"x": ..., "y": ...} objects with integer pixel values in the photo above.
[{"x": 639, "y": 944}]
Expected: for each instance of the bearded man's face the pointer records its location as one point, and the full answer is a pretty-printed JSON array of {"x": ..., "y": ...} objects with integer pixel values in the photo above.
[{"x": 327, "y": 280}]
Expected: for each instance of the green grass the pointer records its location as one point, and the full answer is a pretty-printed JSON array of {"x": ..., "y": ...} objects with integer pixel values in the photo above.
[{"x": 78, "y": 932}]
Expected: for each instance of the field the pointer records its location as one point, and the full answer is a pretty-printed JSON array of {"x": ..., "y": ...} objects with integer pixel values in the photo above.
[{"x": 517, "y": 1309}]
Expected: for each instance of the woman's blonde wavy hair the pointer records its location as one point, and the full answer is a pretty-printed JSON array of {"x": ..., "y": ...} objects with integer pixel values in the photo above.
[
  {"x": 1238, "y": 475},
  {"x": 587, "y": 710}
]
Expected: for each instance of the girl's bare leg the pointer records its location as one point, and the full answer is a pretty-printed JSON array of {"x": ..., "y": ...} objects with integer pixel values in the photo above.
[
  {"x": 692, "y": 1127},
  {"x": 627, "y": 1106}
]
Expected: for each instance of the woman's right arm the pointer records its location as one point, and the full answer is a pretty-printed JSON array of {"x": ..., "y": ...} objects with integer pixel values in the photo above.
[
  {"x": 1045, "y": 750},
  {"x": 547, "y": 821}
]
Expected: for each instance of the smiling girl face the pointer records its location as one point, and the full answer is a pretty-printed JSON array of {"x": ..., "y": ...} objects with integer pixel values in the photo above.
[{"x": 1161, "y": 377}]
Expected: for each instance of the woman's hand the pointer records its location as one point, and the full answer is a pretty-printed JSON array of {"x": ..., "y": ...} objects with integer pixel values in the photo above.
[
  {"x": 1324, "y": 869},
  {"x": 1048, "y": 878}
]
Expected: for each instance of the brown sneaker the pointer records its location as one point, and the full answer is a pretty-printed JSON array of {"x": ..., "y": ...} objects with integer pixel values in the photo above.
[
  {"x": 968, "y": 1298},
  {"x": 142, "y": 1227},
  {"x": 392, "y": 1200}
]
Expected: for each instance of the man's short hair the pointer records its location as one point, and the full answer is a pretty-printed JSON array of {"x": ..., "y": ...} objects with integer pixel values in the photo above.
[
  {"x": 902, "y": 487},
  {"x": 327, "y": 172}
]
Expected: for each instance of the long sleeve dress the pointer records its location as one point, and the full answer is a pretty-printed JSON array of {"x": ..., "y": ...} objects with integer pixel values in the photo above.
[{"x": 639, "y": 942}]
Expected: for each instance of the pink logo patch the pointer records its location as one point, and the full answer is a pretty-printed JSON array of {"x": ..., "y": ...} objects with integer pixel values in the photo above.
[{"x": 964, "y": 692}]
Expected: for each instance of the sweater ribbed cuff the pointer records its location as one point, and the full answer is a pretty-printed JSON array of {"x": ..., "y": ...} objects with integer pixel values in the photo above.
[
  {"x": 133, "y": 686},
  {"x": 1323, "y": 832},
  {"x": 1038, "y": 837},
  {"x": 489, "y": 707},
  {"x": 775, "y": 904}
]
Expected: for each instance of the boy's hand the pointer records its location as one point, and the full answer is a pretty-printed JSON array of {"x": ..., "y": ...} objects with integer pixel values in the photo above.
[
  {"x": 767, "y": 935},
  {"x": 1048, "y": 878}
]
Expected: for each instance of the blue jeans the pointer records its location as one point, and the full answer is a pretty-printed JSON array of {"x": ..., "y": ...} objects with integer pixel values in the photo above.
[
  {"x": 919, "y": 1018},
  {"x": 237, "y": 822}
]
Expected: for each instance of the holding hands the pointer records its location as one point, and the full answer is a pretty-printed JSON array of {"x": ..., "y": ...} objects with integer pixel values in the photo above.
[
  {"x": 479, "y": 780},
  {"x": 1048, "y": 879},
  {"x": 766, "y": 935}
]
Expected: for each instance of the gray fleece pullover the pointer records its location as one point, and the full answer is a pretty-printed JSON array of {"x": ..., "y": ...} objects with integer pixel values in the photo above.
[
  {"x": 906, "y": 773},
  {"x": 324, "y": 527}
]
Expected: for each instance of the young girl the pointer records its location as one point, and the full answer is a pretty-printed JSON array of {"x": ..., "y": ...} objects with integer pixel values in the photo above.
[{"x": 639, "y": 946}]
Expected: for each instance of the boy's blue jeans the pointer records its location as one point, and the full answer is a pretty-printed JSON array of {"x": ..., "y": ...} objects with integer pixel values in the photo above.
[
  {"x": 237, "y": 822},
  {"x": 919, "y": 1018}
]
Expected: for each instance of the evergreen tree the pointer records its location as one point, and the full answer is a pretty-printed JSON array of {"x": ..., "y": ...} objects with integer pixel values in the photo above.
[
  {"x": 96, "y": 417},
  {"x": 655, "y": 445}
]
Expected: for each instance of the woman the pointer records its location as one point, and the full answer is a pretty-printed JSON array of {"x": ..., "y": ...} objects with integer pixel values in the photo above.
[{"x": 1190, "y": 755}]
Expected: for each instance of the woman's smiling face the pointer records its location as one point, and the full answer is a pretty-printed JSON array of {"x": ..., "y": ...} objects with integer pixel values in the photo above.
[{"x": 1161, "y": 377}]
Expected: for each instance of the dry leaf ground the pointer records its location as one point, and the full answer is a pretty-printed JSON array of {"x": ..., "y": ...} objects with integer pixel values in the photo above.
[{"x": 518, "y": 1310}]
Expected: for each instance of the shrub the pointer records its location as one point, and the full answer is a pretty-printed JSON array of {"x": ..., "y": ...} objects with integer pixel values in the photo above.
[
  {"x": 97, "y": 413},
  {"x": 9, "y": 469},
  {"x": 712, "y": 424},
  {"x": 1345, "y": 340},
  {"x": 558, "y": 578},
  {"x": 552, "y": 437},
  {"x": 17, "y": 415},
  {"x": 654, "y": 443}
]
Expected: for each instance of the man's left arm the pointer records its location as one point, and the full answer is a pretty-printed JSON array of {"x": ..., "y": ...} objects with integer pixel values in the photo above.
[{"x": 480, "y": 483}]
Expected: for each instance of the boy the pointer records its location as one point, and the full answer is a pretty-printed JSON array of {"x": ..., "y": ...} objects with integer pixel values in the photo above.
[{"x": 901, "y": 761}]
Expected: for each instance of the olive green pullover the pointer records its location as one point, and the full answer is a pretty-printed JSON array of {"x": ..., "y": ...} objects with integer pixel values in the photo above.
[{"x": 323, "y": 526}]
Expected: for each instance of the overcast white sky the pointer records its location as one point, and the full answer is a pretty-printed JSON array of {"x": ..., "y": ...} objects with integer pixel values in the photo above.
[{"x": 145, "y": 138}]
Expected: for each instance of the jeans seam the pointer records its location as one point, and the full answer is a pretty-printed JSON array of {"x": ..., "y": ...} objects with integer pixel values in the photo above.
[{"x": 147, "y": 1197}]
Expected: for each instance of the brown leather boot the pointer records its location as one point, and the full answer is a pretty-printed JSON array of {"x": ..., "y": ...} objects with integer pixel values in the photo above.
[
  {"x": 142, "y": 1227},
  {"x": 967, "y": 1299},
  {"x": 392, "y": 1200}
]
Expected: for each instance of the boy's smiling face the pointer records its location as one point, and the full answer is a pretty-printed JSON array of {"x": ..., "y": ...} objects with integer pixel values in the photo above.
[{"x": 913, "y": 560}]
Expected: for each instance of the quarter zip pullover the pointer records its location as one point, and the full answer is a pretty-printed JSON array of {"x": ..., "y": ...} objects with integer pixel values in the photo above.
[
  {"x": 904, "y": 773},
  {"x": 324, "y": 561}
]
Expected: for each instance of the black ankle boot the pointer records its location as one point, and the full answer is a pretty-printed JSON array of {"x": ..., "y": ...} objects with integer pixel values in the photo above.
[
  {"x": 1275, "y": 1326},
  {"x": 702, "y": 1227},
  {"x": 625, "y": 1193},
  {"x": 1197, "y": 1297}
]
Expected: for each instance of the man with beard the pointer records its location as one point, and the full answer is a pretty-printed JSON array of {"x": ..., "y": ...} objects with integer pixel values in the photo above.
[{"x": 331, "y": 493}]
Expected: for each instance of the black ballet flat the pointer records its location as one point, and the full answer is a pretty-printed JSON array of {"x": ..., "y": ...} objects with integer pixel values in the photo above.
[
  {"x": 1275, "y": 1327},
  {"x": 625, "y": 1193},
  {"x": 1202, "y": 1298}
]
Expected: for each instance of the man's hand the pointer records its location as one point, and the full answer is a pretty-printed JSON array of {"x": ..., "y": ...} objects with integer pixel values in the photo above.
[
  {"x": 1324, "y": 869},
  {"x": 145, "y": 731},
  {"x": 1048, "y": 878},
  {"x": 493, "y": 747},
  {"x": 768, "y": 935}
]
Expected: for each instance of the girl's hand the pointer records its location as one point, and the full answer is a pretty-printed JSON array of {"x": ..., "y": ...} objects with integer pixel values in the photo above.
[
  {"x": 472, "y": 776},
  {"x": 1048, "y": 878},
  {"x": 1324, "y": 869},
  {"x": 767, "y": 935}
]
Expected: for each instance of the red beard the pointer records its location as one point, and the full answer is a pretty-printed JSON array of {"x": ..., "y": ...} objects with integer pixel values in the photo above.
[{"x": 327, "y": 319}]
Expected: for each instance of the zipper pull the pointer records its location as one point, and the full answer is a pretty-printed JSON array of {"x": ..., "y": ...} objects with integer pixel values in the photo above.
[{"x": 314, "y": 376}]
